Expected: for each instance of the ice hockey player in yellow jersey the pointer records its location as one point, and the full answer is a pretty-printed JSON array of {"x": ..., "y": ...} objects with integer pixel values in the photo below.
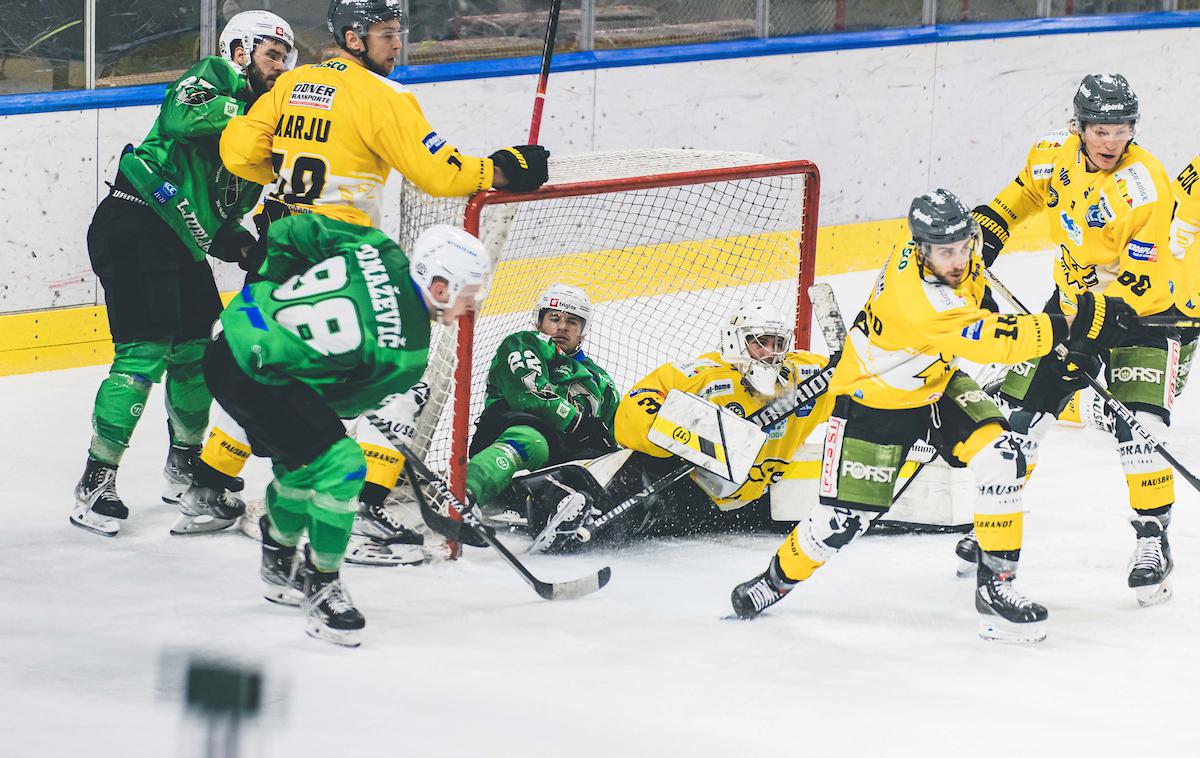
[
  {"x": 324, "y": 142},
  {"x": 1109, "y": 204},
  {"x": 754, "y": 366},
  {"x": 897, "y": 382},
  {"x": 1185, "y": 227}
]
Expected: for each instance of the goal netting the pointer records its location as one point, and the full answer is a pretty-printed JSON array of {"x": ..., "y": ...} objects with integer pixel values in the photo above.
[{"x": 665, "y": 242}]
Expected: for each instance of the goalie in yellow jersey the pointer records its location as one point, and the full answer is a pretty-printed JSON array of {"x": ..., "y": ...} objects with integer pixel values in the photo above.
[
  {"x": 1109, "y": 205},
  {"x": 326, "y": 138},
  {"x": 897, "y": 382},
  {"x": 755, "y": 369}
]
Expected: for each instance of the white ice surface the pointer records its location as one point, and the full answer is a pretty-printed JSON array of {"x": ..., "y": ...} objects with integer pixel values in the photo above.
[{"x": 877, "y": 654}]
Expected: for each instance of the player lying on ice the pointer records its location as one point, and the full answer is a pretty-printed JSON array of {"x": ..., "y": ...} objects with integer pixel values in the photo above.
[
  {"x": 709, "y": 402},
  {"x": 546, "y": 402},
  {"x": 897, "y": 382}
]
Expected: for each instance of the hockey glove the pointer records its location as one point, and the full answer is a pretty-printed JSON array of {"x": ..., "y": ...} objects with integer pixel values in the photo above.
[
  {"x": 995, "y": 232},
  {"x": 272, "y": 211},
  {"x": 524, "y": 166},
  {"x": 232, "y": 246},
  {"x": 594, "y": 436},
  {"x": 1101, "y": 322}
]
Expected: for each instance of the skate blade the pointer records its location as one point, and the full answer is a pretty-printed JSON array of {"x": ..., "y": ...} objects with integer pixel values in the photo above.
[
  {"x": 283, "y": 596},
  {"x": 85, "y": 518},
  {"x": 186, "y": 525},
  {"x": 347, "y": 638},
  {"x": 996, "y": 629},
  {"x": 366, "y": 552},
  {"x": 1153, "y": 594}
]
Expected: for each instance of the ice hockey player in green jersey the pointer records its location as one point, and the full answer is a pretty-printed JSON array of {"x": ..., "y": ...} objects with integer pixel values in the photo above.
[
  {"x": 340, "y": 324},
  {"x": 546, "y": 402},
  {"x": 171, "y": 204}
]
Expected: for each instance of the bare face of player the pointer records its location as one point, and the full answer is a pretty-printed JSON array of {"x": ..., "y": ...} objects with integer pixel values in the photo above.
[
  {"x": 768, "y": 348},
  {"x": 1105, "y": 144},
  {"x": 949, "y": 262},
  {"x": 464, "y": 303},
  {"x": 267, "y": 63},
  {"x": 566, "y": 329},
  {"x": 382, "y": 44}
]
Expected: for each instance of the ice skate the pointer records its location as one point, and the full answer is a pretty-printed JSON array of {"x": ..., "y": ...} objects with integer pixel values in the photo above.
[
  {"x": 567, "y": 526},
  {"x": 208, "y": 504},
  {"x": 378, "y": 538},
  {"x": 967, "y": 551},
  {"x": 280, "y": 570},
  {"x": 1005, "y": 614},
  {"x": 331, "y": 615},
  {"x": 752, "y": 597},
  {"x": 178, "y": 472},
  {"x": 97, "y": 507},
  {"x": 1151, "y": 562}
]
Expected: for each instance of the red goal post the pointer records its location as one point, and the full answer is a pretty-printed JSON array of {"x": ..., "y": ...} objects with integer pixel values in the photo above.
[{"x": 665, "y": 256}]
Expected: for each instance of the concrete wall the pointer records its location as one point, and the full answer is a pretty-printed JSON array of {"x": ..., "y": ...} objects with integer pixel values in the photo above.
[{"x": 883, "y": 124}]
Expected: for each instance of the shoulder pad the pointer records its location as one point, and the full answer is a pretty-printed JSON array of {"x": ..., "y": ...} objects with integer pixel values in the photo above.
[{"x": 1135, "y": 185}]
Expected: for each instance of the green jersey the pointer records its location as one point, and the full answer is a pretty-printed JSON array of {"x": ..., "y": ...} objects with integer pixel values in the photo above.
[
  {"x": 353, "y": 327},
  {"x": 177, "y": 169},
  {"x": 531, "y": 374}
]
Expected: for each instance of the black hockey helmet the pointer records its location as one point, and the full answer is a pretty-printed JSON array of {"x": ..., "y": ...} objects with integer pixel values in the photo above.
[
  {"x": 1105, "y": 99},
  {"x": 358, "y": 15},
  {"x": 940, "y": 218}
]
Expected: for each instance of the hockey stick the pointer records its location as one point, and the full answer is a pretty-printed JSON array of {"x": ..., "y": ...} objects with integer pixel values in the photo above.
[
  {"x": 1180, "y": 322},
  {"x": 417, "y": 468},
  {"x": 539, "y": 99},
  {"x": 1114, "y": 405}
]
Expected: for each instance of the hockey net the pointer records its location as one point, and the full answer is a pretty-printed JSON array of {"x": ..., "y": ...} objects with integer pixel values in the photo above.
[{"x": 665, "y": 242}]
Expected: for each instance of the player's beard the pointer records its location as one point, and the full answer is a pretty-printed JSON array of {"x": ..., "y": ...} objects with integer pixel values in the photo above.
[{"x": 259, "y": 84}]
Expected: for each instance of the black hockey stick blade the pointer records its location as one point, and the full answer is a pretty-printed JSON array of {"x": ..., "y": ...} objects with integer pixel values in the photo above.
[{"x": 471, "y": 523}]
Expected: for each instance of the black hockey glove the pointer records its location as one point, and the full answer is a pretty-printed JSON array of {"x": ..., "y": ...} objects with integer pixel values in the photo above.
[
  {"x": 231, "y": 246},
  {"x": 1101, "y": 323},
  {"x": 524, "y": 166},
  {"x": 995, "y": 232},
  {"x": 592, "y": 435}
]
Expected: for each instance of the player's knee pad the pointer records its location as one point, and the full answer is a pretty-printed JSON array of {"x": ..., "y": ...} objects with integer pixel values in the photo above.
[
  {"x": 1143, "y": 377},
  {"x": 490, "y": 471},
  {"x": 337, "y": 475},
  {"x": 528, "y": 444},
  {"x": 1187, "y": 354},
  {"x": 1148, "y": 475},
  {"x": 145, "y": 361},
  {"x": 819, "y": 537},
  {"x": 227, "y": 448},
  {"x": 999, "y": 470}
]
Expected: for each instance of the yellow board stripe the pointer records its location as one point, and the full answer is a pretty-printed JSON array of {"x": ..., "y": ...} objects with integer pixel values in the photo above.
[{"x": 70, "y": 337}]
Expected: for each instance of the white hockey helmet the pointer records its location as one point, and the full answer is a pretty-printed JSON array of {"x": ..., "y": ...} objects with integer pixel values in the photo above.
[
  {"x": 753, "y": 319},
  {"x": 451, "y": 253},
  {"x": 566, "y": 298},
  {"x": 251, "y": 27}
]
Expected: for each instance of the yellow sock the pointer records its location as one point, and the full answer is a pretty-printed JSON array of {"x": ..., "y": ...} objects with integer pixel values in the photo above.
[
  {"x": 224, "y": 453},
  {"x": 999, "y": 531},
  {"x": 383, "y": 465},
  {"x": 794, "y": 562}
]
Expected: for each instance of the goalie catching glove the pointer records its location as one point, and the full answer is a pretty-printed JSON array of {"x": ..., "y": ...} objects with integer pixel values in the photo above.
[{"x": 524, "y": 166}]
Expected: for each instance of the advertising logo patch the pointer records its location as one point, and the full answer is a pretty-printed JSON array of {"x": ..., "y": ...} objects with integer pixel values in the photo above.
[
  {"x": 309, "y": 95},
  {"x": 165, "y": 192},
  {"x": 1074, "y": 232},
  {"x": 433, "y": 142},
  {"x": 1142, "y": 251},
  {"x": 973, "y": 331}
]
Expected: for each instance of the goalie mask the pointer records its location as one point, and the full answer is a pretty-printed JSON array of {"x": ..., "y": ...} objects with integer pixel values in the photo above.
[
  {"x": 755, "y": 342},
  {"x": 455, "y": 255},
  {"x": 947, "y": 237},
  {"x": 249, "y": 28},
  {"x": 565, "y": 298}
]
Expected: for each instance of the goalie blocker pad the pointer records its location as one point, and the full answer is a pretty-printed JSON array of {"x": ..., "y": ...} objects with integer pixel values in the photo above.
[{"x": 707, "y": 436}]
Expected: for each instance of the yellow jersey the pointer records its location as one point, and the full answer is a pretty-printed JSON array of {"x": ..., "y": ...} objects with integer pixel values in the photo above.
[
  {"x": 714, "y": 379},
  {"x": 907, "y": 340},
  {"x": 1185, "y": 227},
  {"x": 327, "y": 135},
  {"x": 1111, "y": 227}
]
